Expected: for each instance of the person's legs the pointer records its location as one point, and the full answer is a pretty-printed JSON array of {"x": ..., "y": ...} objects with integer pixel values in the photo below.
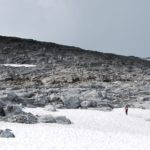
[{"x": 126, "y": 111}]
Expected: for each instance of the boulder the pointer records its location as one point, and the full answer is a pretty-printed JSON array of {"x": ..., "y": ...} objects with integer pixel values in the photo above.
[
  {"x": 55, "y": 99},
  {"x": 91, "y": 95},
  {"x": 62, "y": 120},
  {"x": 41, "y": 101},
  {"x": 146, "y": 99},
  {"x": 6, "y": 134},
  {"x": 14, "y": 113},
  {"x": 93, "y": 103},
  {"x": 47, "y": 119},
  {"x": 72, "y": 102},
  {"x": 26, "y": 118},
  {"x": 12, "y": 97},
  {"x": 13, "y": 110}
]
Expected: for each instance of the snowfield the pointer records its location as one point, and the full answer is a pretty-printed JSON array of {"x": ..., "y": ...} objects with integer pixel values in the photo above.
[
  {"x": 91, "y": 130},
  {"x": 18, "y": 65}
]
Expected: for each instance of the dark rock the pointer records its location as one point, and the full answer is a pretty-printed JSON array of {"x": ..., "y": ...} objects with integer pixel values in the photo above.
[
  {"x": 14, "y": 113},
  {"x": 26, "y": 118},
  {"x": 2, "y": 112},
  {"x": 8, "y": 130},
  {"x": 93, "y": 103},
  {"x": 146, "y": 99},
  {"x": 1, "y": 131},
  {"x": 62, "y": 120},
  {"x": 6, "y": 134},
  {"x": 13, "y": 110},
  {"x": 72, "y": 102},
  {"x": 47, "y": 119}
]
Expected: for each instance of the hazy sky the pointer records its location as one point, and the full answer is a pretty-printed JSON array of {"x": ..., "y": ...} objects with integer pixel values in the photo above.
[{"x": 114, "y": 26}]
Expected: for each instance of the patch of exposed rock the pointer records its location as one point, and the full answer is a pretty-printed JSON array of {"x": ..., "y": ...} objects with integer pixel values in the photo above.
[
  {"x": 7, "y": 133},
  {"x": 15, "y": 114},
  {"x": 51, "y": 119}
]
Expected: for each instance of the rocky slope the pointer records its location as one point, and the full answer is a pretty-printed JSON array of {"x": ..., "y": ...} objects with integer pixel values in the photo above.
[{"x": 70, "y": 77}]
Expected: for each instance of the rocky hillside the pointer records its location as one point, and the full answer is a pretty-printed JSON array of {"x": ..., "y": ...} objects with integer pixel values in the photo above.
[
  {"x": 70, "y": 77},
  {"x": 17, "y": 50},
  {"x": 58, "y": 64}
]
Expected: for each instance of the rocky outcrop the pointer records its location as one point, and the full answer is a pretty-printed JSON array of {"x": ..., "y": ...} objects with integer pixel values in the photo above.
[
  {"x": 62, "y": 120},
  {"x": 6, "y": 134},
  {"x": 26, "y": 118},
  {"x": 14, "y": 113},
  {"x": 47, "y": 119},
  {"x": 51, "y": 119}
]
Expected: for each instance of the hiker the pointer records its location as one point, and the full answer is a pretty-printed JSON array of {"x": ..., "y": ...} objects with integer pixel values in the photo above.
[{"x": 126, "y": 109}]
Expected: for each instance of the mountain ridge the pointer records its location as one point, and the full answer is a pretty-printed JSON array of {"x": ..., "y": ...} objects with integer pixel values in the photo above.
[{"x": 22, "y": 46}]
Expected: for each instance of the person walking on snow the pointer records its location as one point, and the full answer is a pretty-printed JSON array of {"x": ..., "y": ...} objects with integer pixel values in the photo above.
[{"x": 126, "y": 109}]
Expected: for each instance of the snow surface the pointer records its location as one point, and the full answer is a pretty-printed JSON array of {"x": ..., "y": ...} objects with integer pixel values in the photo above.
[
  {"x": 91, "y": 130},
  {"x": 18, "y": 65}
]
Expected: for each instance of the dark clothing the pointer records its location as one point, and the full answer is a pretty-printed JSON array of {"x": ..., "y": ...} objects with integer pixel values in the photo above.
[
  {"x": 126, "y": 109},
  {"x": 2, "y": 112}
]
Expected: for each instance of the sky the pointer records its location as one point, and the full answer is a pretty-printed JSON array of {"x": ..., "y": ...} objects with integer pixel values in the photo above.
[{"x": 111, "y": 26}]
